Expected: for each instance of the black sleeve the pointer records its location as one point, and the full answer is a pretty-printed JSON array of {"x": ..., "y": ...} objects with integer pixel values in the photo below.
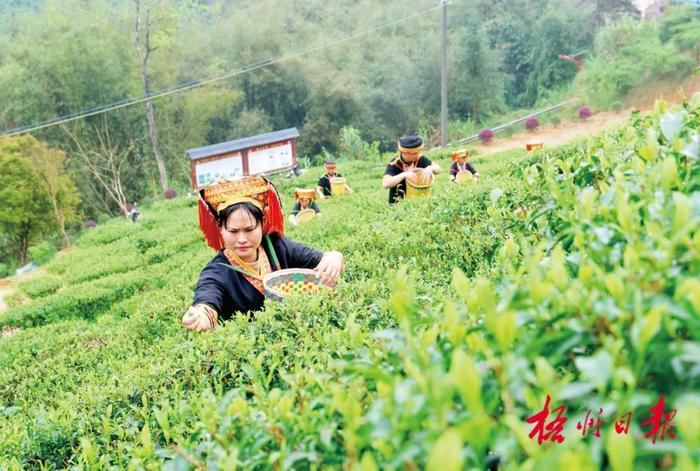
[
  {"x": 454, "y": 169},
  {"x": 471, "y": 168},
  {"x": 315, "y": 207},
  {"x": 296, "y": 208},
  {"x": 210, "y": 288},
  {"x": 392, "y": 170},
  {"x": 298, "y": 255},
  {"x": 424, "y": 162},
  {"x": 320, "y": 181}
]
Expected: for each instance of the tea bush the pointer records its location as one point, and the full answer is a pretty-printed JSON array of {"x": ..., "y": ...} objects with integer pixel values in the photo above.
[
  {"x": 37, "y": 286},
  {"x": 571, "y": 272}
]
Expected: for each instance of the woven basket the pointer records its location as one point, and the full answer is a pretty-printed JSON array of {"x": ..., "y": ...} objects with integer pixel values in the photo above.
[
  {"x": 464, "y": 176},
  {"x": 306, "y": 215},
  {"x": 292, "y": 282},
  {"x": 337, "y": 186},
  {"x": 419, "y": 187}
]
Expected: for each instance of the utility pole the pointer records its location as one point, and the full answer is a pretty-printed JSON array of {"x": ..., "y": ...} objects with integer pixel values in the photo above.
[{"x": 443, "y": 88}]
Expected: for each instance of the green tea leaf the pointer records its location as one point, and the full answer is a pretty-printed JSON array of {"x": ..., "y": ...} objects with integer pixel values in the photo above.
[{"x": 446, "y": 454}]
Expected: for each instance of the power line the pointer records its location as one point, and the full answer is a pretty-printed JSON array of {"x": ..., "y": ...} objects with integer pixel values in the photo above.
[{"x": 199, "y": 83}]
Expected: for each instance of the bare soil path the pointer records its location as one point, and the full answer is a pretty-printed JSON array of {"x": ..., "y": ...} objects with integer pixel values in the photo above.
[
  {"x": 4, "y": 291},
  {"x": 554, "y": 136},
  {"x": 642, "y": 99}
]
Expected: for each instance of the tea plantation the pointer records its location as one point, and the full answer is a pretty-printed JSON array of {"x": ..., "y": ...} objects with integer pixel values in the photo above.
[{"x": 570, "y": 273}]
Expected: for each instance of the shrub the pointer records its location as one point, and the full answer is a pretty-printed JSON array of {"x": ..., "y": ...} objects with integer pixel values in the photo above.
[
  {"x": 85, "y": 300},
  {"x": 353, "y": 147},
  {"x": 89, "y": 223},
  {"x": 532, "y": 123},
  {"x": 486, "y": 136},
  {"x": 103, "y": 218},
  {"x": 40, "y": 285},
  {"x": 584, "y": 113},
  {"x": 42, "y": 253},
  {"x": 556, "y": 121},
  {"x": 502, "y": 310},
  {"x": 629, "y": 55},
  {"x": 169, "y": 194}
]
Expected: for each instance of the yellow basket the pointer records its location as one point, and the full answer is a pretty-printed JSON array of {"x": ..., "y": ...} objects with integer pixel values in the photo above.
[
  {"x": 337, "y": 186},
  {"x": 419, "y": 187},
  {"x": 306, "y": 215},
  {"x": 464, "y": 176},
  {"x": 292, "y": 282}
]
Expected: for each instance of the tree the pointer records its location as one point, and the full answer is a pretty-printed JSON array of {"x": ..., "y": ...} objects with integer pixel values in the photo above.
[
  {"x": 25, "y": 214},
  {"x": 479, "y": 80},
  {"x": 681, "y": 25},
  {"x": 104, "y": 160},
  {"x": 608, "y": 12},
  {"x": 144, "y": 50},
  {"x": 49, "y": 168}
]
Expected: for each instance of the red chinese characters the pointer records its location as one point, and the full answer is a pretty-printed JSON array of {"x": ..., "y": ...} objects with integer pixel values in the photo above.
[
  {"x": 659, "y": 421},
  {"x": 588, "y": 423},
  {"x": 622, "y": 425},
  {"x": 547, "y": 431}
]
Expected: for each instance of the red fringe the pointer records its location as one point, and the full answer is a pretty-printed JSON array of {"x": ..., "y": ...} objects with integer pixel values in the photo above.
[
  {"x": 273, "y": 220},
  {"x": 209, "y": 227}
]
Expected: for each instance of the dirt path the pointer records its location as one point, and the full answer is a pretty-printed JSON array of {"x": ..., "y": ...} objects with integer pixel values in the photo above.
[
  {"x": 642, "y": 99},
  {"x": 6, "y": 290},
  {"x": 554, "y": 136},
  {"x": 3, "y": 292}
]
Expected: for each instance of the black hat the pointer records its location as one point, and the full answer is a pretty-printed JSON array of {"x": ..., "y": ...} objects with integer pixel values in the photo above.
[{"x": 411, "y": 144}]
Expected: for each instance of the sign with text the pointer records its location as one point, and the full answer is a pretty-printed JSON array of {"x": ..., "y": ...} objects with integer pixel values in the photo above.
[
  {"x": 229, "y": 167},
  {"x": 270, "y": 158}
]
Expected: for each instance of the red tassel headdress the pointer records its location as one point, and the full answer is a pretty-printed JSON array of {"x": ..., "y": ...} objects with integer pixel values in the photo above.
[{"x": 259, "y": 191}]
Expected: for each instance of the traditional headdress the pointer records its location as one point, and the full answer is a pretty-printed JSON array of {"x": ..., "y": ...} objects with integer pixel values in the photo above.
[
  {"x": 411, "y": 144},
  {"x": 218, "y": 196},
  {"x": 459, "y": 154},
  {"x": 300, "y": 193}
]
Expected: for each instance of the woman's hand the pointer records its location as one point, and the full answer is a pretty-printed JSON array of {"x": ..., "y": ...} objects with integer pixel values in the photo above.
[
  {"x": 330, "y": 267},
  {"x": 410, "y": 175},
  {"x": 196, "y": 319}
]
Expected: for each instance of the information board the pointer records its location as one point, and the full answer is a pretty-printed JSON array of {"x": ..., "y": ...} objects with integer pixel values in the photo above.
[
  {"x": 229, "y": 167},
  {"x": 269, "y": 158}
]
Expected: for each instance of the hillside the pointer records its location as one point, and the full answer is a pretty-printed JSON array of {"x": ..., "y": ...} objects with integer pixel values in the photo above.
[{"x": 456, "y": 317}]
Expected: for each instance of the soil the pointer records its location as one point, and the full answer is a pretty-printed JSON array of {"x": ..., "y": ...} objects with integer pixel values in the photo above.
[
  {"x": 554, "y": 136},
  {"x": 642, "y": 99},
  {"x": 3, "y": 292}
]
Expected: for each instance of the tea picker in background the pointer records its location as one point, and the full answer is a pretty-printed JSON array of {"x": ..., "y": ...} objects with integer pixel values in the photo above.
[
  {"x": 242, "y": 219},
  {"x": 405, "y": 166},
  {"x": 460, "y": 165},
  {"x": 296, "y": 171},
  {"x": 305, "y": 205},
  {"x": 324, "y": 187},
  {"x": 134, "y": 213}
]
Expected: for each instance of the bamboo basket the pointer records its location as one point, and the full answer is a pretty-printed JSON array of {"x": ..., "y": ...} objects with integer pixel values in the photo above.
[
  {"x": 293, "y": 282},
  {"x": 464, "y": 176},
  {"x": 306, "y": 215},
  {"x": 420, "y": 187},
  {"x": 337, "y": 186}
]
